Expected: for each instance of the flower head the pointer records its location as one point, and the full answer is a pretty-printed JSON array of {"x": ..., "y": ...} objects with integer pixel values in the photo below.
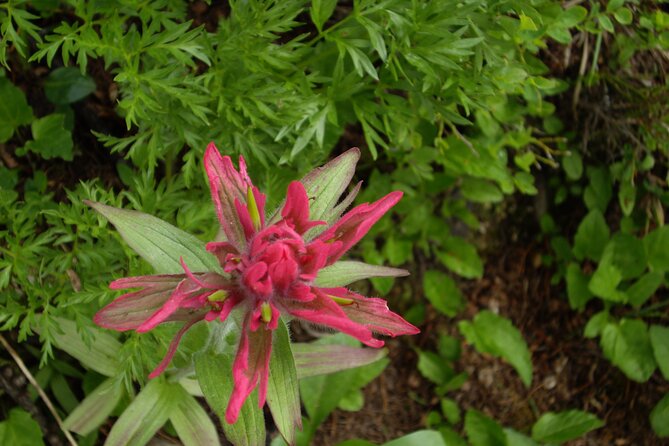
[{"x": 269, "y": 265}]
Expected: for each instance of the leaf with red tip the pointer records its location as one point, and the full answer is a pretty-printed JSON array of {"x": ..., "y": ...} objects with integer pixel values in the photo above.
[{"x": 313, "y": 359}]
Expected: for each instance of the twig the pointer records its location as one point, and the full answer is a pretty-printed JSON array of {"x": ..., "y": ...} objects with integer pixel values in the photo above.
[{"x": 29, "y": 376}]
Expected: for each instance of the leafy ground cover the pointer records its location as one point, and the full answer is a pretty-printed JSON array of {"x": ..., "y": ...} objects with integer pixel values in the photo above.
[{"x": 529, "y": 140}]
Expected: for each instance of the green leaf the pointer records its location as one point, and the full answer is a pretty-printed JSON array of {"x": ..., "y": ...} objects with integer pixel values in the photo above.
[
  {"x": 596, "y": 324},
  {"x": 644, "y": 288},
  {"x": 627, "y": 253},
  {"x": 573, "y": 16},
  {"x": 483, "y": 431},
  {"x": 283, "y": 395},
  {"x": 443, "y": 293},
  {"x": 450, "y": 410},
  {"x": 19, "y": 429},
  {"x": 598, "y": 193},
  {"x": 99, "y": 354},
  {"x": 627, "y": 345},
  {"x": 214, "y": 373},
  {"x": 66, "y": 85},
  {"x": 50, "y": 138},
  {"x": 313, "y": 359},
  {"x": 659, "y": 340},
  {"x": 657, "y": 249},
  {"x": 623, "y": 16},
  {"x": 604, "y": 283},
  {"x": 144, "y": 416},
  {"x": 95, "y": 408},
  {"x": 418, "y": 438},
  {"x": 514, "y": 438},
  {"x": 564, "y": 426},
  {"x": 191, "y": 421},
  {"x": 480, "y": 191},
  {"x": 14, "y": 109},
  {"x": 577, "y": 287},
  {"x": 434, "y": 367},
  {"x": 496, "y": 335},
  {"x": 573, "y": 165},
  {"x": 461, "y": 258},
  {"x": 659, "y": 417},
  {"x": 398, "y": 251},
  {"x": 320, "y": 12},
  {"x": 345, "y": 272},
  {"x": 591, "y": 236},
  {"x": 158, "y": 242}
]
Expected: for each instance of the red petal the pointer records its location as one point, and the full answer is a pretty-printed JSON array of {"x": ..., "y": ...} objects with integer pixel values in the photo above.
[
  {"x": 355, "y": 224},
  {"x": 324, "y": 311},
  {"x": 227, "y": 184},
  {"x": 296, "y": 210},
  {"x": 251, "y": 367},
  {"x": 373, "y": 313}
]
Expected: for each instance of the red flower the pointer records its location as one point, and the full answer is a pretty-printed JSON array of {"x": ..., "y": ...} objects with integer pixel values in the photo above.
[{"x": 270, "y": 265}]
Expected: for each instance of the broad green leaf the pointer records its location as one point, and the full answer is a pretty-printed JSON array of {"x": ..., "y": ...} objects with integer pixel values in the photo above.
[
  {"x": 14, "y": 109},
  {"x": 644, "y": 288},
  {"x": 144, "y": 416},
  {"x": 214, "y": 372},
  {"x": 345, "y": 272},
  {"x": 591, "y": 237},
  {"x": 483, "y": 431},
  {"x": 599, "y": 191},
  {"x": 461, "y": 257},
  {"x": 158, "y": 242},
  {"x": 496, "y": 335},
  {"x": 627, "y": 345},
  {"x": 659, "y": 417},
  {"x": 450, "y": 410},
  {"x": 659, "y": 340},
  {"x": 95, "y": 408},
  {"x": 19, "y": 429},
  {"x": 313, "y": 359},
  {"x": 66, "y": 85},
  {"x": 320, "y": 11},
  {"x": 573, "y": 165},
  {"x": 51, "y": 139},
  {"x": 99, "y": 354},
  {"x": 443, "y": 293},
  {"x": 596, "y": 324},
  {"x": 572, "y": 16},
  {"x": 564, "y": 426},
  {"x": 627, "y": 253},
  {"x": 353, "y": 401},
  {"x": 418, "y": 438},
  {"x": 577, "y": 287},
  {"x": 480, "y": 191},
  {"x": 283, "y": 395},
  {"x": 398, "y": 251},
  {"x": 604, "y": 283},
  {"x": 434, "y": 367},
  {"x": 192, "y": 422},
  {"x": 657, "y": 249},
  {"x": 514, "y": 438}
]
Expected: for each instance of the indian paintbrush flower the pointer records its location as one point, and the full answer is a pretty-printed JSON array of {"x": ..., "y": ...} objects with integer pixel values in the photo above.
[{"x": 269, "y": 266}]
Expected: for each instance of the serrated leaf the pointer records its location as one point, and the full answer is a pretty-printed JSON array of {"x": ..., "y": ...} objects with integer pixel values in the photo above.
[
  {"x": 443, "y": 293},
  {"x": 627, "y": 345},
  {"x": 659, "y": 417},
  {"x": 345, "y": 272},
  {"x": 283, "y": 396},
  {"x": 144, "y": 416},
  {"x": 191, "y": 421},
  {"x": 483, "y": 431},
  {"x": 214, "y": 373},
  {"x": 659, "y": 339},
  {"x": 14, "y": 109},
  {"x": 66, "y": 85},
  {"x": 564, "y": 426},
  {"x": 158, "y": 242},
  {"x": 496, "y": 335},
  {"x": 51, "y": 139},
  {"x": 95, "y": 408}
]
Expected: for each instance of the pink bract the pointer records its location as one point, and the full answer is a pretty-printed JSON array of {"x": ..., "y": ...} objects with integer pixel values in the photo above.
[{"x": 269, "y": 272}]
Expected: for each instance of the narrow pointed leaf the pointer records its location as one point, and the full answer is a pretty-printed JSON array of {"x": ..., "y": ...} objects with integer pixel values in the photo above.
[
  {"x": 95, "y": 408},
  {"x": 322, "y": 359},
  {"x": 100, "y": 354},
  {"x": 158, "y": 242},
  {"x": 283, "y": 396},
  {"x": 564, "y": 426},
  {"x": 345, "y": 272},
  {"x": 144, "y": 416},
  {"x": 192, "y": 423},
  {"x": 214, "y": 372}
]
